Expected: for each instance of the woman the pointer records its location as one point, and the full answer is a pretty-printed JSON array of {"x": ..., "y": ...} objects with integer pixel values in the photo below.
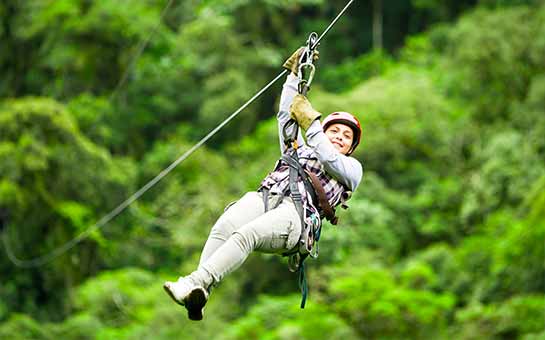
[{"x": 269, "y": 220}]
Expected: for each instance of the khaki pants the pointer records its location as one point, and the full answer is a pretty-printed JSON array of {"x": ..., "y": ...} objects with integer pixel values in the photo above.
[{"x": 243, "y": 228}]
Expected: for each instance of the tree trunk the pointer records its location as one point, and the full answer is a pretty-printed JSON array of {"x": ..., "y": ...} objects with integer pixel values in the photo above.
[{"x": 377, "y": 24}]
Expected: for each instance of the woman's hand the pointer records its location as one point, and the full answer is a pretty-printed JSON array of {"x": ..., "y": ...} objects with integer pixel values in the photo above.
[
  {"x": 292, "y": 63},
  {"x": 302, "y": 112}
]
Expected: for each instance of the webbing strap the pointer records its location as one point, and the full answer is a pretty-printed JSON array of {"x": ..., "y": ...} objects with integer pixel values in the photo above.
[
  {"x": 303, "y": 285},
  {"x": 265, "y": 193},
  {"x": 295, "y": 170},
  {"x": 294, "y": 189},
  {"x": 314, "y": 187},
  {"x": 323, "y": 203},
  {"x": 293, "y": 163}
]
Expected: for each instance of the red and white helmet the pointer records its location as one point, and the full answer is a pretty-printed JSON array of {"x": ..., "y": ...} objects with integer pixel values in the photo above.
[{"x": 348, "y": 120}]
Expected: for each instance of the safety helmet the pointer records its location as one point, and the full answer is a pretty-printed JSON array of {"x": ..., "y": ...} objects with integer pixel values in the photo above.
[{"x": 348, "y": 120}]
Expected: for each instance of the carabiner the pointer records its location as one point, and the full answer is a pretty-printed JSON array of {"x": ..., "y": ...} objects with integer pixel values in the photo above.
[
  {"x": 306, "y": 70},
  {"x": 306, "y": 75}
]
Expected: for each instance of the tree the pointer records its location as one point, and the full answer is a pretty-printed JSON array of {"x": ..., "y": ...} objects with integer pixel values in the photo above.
[{"x": 54, "y": 184}]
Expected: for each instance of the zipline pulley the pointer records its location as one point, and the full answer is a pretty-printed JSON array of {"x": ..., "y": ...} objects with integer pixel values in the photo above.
[
  {"x": 305, "y": 73},
  {"x": 306, "y": 66}
]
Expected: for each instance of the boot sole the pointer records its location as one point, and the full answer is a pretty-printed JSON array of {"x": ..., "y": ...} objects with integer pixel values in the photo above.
[{"x": 194, "y": 304}]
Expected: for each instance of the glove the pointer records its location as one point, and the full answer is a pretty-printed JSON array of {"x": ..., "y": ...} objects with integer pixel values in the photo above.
[
  {"x": 302, "y": 112},
  {"x": 292, "y": 63}
]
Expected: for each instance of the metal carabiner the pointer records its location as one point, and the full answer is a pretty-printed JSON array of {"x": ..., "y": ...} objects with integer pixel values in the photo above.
[
  {"x": 290, "y": 137},
  {"x": 306, "y": 77},
  {"x": 306, "y": 70}
]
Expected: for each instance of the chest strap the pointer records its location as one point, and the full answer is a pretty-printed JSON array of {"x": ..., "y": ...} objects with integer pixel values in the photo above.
[{"x": 294, "y": 172}]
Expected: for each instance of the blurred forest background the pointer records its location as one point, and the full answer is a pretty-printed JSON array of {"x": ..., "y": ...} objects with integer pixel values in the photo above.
[{"x": 444, "y": 239}]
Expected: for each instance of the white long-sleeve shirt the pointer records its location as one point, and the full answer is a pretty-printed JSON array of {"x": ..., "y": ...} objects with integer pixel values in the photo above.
[{"x": 345, "y": 169}]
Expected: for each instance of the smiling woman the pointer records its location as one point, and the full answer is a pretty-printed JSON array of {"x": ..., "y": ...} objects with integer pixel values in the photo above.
[
  {"x": 341, "y": 137},
  {"x": 284, "y": 215},
  {"x": 346, "y": 125}
]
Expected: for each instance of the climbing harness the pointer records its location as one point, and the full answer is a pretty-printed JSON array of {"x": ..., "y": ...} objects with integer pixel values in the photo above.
[
  {"x": 307, "y": 73},
  {"x": 310, "y": 222}
]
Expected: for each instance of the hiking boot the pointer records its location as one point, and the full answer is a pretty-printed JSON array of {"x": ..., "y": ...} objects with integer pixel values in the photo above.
[{"x": 189, "y": 295}]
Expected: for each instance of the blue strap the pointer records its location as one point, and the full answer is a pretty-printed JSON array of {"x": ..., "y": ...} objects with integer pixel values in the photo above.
[{"x": 303, "y": 284}]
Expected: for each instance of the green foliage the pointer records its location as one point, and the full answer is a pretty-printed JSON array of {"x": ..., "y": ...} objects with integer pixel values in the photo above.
[
  {"x": 510, "y": 53},
  {"x": 116, "y": 298},
  {"x": 517, "y": 266},
  {"x": 183, "y": 206},
  {"x": 509, "y": 166},
  {"x": 23, "y": 327},
  {"x": 94, "y": 116},
  {"x": 41, "y": 150},
  {"x": 451, "y": 274},
  {"x": 512, "y": 318},
  {"x": 529, "y": 114},
  {"x": 61, "y": 30},
  {"x": 418, "y": 275},
  {"x": 79, "y": 326},
  {"x": 224, "y": 80},
  {"x": 484, "y": 270},
  {"x": 353, "y": 72},
  {"x": 250, "y": 156},
  {"x": 535, "y": 202},
  {"x": 275, "y": 318},
  {"x": 370, "y": 222},
  {"x": 372, "y": 300}
]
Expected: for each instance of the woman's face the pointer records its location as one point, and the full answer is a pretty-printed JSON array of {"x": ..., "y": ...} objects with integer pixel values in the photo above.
[{"x": 341, "y": 136}]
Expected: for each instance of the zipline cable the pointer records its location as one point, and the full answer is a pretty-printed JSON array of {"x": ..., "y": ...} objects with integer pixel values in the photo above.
[
  {"x": 140, "y": 49},
  {"x": 36, "y": 262},
  {"x": 332, "y": 23},
  {"x": 44, "y": 259}
]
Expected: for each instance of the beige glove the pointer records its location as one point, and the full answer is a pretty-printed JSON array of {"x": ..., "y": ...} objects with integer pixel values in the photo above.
[
  {"x": 302, "y": 112},
  {"x": 292, "y": 63}
]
